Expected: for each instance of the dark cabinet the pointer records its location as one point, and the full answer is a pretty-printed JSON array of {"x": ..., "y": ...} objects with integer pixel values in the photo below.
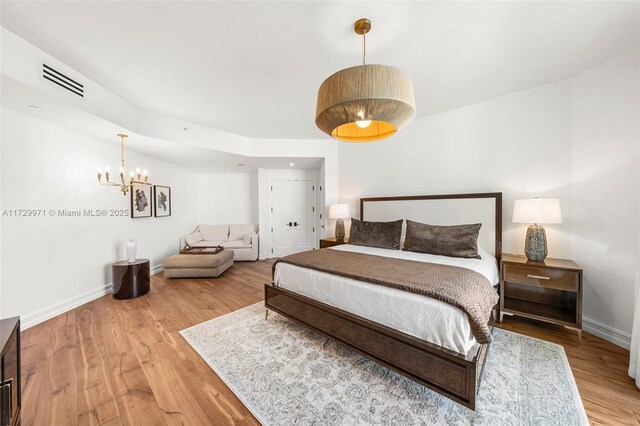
[
  {"x": 331, "y": 242},
  {"x": 10, "y": 372}
]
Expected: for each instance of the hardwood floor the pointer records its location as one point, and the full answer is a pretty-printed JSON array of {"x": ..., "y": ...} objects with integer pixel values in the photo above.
[{"x": 122, "y": 362}]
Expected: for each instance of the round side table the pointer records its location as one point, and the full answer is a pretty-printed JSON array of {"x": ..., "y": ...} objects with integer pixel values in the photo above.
[{"x": 131, "y": 280}]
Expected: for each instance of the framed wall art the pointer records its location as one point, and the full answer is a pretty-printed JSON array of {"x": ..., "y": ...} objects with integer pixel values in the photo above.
[
  {"x": 141, "y": 201},
  {"x": 162, "y": 200}
]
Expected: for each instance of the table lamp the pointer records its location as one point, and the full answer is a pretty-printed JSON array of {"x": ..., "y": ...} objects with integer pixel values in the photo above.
[
  {"x": 339, "y": 212},
  {"x": 537, "y": 212}
]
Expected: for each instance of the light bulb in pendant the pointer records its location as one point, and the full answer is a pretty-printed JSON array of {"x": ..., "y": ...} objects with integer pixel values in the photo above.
[{"x": 363, "y": 124}]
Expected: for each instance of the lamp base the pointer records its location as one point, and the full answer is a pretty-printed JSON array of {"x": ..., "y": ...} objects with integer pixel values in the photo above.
[
  {"x": 340, "y": 230},
  {"x": 535, "y": 246}
]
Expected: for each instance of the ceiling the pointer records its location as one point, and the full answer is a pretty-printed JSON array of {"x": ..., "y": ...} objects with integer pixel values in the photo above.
[
  {"x": 253, "y": 68},
  {"x": 206, "y": 160},
  {"x": 203, "y": 160}
]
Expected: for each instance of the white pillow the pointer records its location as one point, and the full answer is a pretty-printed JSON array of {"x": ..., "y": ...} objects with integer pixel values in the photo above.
[
  {"x": 214, "y": 232},
  {"x": 247, "y": 238},
  {"x": 238, "y": 232},
  {"x": 192, "y": 239}
]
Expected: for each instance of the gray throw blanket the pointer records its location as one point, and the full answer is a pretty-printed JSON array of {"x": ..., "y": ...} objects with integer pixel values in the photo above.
[{"x": 462, "y": 288}]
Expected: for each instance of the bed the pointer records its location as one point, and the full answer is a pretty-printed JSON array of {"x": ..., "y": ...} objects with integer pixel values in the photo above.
[{"x": 426, "y": 340}]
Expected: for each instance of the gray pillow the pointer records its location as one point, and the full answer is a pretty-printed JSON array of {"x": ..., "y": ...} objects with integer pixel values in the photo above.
[
  {"x": 376, "y": 234},
  {"x": 453, "y": 241}
]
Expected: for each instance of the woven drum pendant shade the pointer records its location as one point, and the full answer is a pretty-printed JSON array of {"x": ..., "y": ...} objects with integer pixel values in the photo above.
[{"x": 379, "y": 93}]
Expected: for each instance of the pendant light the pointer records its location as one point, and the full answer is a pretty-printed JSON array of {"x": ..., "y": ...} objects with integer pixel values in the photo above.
[{"x": 365, "y": 103}]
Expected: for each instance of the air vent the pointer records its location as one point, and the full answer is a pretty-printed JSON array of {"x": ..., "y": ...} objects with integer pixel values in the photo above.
[{"x": 56, "y": 77}]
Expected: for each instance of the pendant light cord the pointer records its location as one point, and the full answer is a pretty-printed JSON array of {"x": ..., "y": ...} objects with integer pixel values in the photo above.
[{"x": 364, "y": 48}]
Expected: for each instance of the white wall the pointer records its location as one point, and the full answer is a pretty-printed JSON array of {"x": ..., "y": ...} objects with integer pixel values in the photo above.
[
  {"x": 517, "y": 144},
  {"x": 228, "y": 198},
  {"x": 50, "y": 264},
  {"x": 605, "y": 138},
  {"x": 576, "y": 140}
]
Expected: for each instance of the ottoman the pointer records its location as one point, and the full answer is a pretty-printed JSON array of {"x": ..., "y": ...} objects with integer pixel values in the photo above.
[{"x": 197, "y": 265}]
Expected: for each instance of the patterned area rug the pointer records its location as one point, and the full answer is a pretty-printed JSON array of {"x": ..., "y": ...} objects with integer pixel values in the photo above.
[{"x": 287, "y": 374}]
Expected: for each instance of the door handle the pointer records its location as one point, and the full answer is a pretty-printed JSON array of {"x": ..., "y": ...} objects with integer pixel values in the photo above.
[
  {"x": 295, "y": 223},
  {"x": 288, "y": 224}
]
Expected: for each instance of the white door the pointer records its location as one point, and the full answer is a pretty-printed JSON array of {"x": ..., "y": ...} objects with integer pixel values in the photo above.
[
  {"x": 281, "y": 218},
  {"x": 293, "y": 226},
  {"x": 303, "y": 215}
]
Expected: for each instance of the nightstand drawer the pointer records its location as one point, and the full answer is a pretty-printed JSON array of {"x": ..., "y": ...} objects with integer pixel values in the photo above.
[{"x": 542, "y": 277}]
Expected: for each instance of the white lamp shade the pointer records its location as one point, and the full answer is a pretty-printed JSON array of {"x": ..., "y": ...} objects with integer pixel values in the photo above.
[
  {"x": 537, "y": 210},
  {"x": 339, "y": 211}
]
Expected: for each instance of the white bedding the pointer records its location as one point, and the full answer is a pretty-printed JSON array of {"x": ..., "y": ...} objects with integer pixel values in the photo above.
[{"x": 420, "y": 316}]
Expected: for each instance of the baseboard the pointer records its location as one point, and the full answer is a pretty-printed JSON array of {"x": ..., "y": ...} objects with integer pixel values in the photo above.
[
  {"x": 607, "y": 333},
  {"x": 29, "y": 320},
  {"x": 42, "y": 315},
  {"x": 264, "y": 256}
]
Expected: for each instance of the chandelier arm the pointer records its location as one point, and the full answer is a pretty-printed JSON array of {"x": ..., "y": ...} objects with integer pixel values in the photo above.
[
  {"x": 108, "y": 183},
  {"x": 140, "y": 182}
]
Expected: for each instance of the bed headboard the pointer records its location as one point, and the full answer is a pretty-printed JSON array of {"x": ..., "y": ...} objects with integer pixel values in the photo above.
[{"x": 448, "y": 209}]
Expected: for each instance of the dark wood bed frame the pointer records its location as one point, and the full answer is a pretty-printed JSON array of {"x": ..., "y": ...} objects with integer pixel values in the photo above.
[{"x": 447, "y": 372}]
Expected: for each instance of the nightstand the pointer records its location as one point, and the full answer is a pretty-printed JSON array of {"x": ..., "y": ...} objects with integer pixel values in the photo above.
[
  {"x": 548, "y": 291},
  {"x": 330, "y": 242}
]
